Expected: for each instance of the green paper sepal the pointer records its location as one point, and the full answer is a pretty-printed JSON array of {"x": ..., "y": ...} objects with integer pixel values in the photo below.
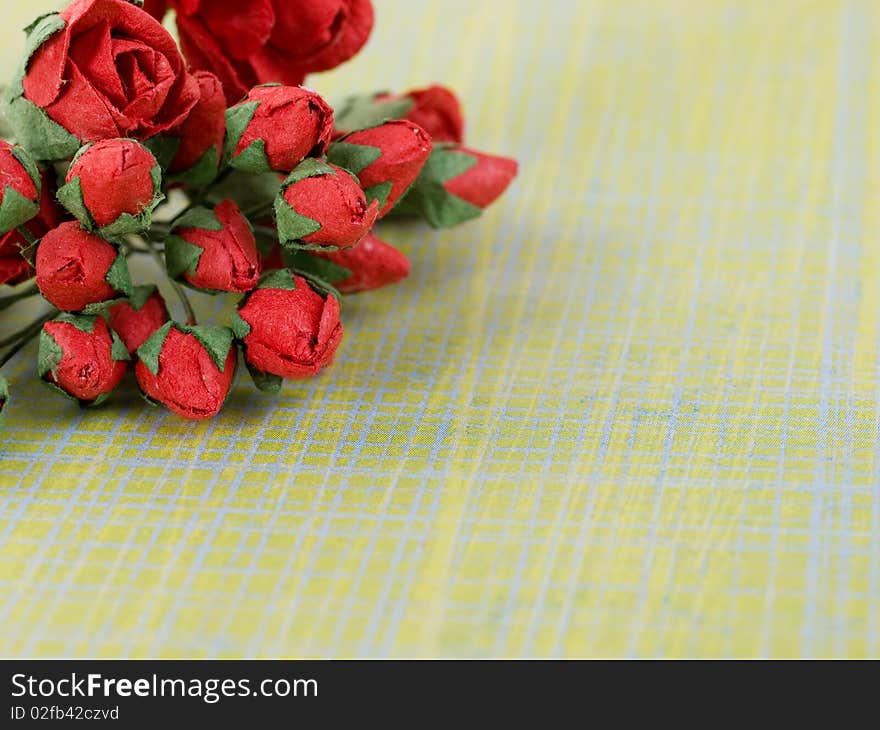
[
  {"x": 164, "y": 149},
  {"x": 16, "y": 210},
  {"x": 428, "y": 196},
  {"x": 200, "y": 218},
  {"x": 240, "y": 328},
  {"x": 353, "y": 157},
  {"x": 44, "y": 138},
  {"x": 119, "y": 277},
  {"x": 140, "y": 295},
  {"x": 379, "y": 192},
  {"x": 238, "y": 118},
  {"x": 277, "y": 279},
  {"x": 217, "y": 342},
  {"x": 181, "y": 256},
  {"x": 203, "y": 173},
  {"x": 265, "y": 382},
  {"x": 252, "y": 158},
  {"x": 365, "y": 111},
  {"x": 318, "y": 267}
]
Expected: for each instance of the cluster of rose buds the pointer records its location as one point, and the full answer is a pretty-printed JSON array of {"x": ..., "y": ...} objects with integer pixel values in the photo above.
[{"x": 113, "y": 127}]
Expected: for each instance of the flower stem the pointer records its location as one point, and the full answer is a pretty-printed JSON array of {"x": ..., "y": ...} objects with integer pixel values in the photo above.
[
  {"x": 178, "y": 289},
  {"x": 30, "y": 291},
  {"x": 26, "y": 235},
  {"x": 20, "y": 339}
]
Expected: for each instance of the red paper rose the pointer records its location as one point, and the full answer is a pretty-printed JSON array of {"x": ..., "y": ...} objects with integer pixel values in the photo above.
[
  {"x": 214, "y": 250},
  {"x": 201, "y": 134},
  {"x": 76, "y": 269},
  {"x": 136, "y": 319},
  {"x": 189, "y": 370},
  {"x": 249, "y": 42},
  {"x": 82, "y": 357},
  {"x": 456, "y": 184},
  {"x": 387, "y": 159},
  {"x": 14, "y": 268},
  {"x": 276, "y": 127},
  {"x": 113, "y": 183},
  {"x": 104, "y": 69},
  {"x": 321, "y": 205},
  {"x": 371, "y": 264},
  {"x": 437, "y": 110},
  {"x": 288, "y": 329}
]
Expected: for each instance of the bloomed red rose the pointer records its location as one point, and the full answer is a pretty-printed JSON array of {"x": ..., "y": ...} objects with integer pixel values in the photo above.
[{"x": 250, "y": 42}]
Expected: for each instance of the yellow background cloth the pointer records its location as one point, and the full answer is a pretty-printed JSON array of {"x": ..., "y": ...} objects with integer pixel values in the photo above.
[{"x": 633, "y": 411}]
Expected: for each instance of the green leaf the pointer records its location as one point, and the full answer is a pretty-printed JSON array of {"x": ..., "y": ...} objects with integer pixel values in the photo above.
[
  {"x": 379, "y": 192},
  {"x": 50, "y": 355},
  {"x": 140, "y": 295},
  {"x": 249, "y": 191},
  {"x": 70, "y": 196},
  {"x": 38, "y": 134},
  {"x": 149, "y": 352},
  {"x": 28, "y": 163},
  {"x": 164, "y": 149},
  {"x": 240, "y": 328},
  {"x": 428, "y": 195},
  {"x": 84, "y": 323},
  {"x": 38, "y": 32},
  {"x": 181, "y": 256},
  {"x": 266, "y": 382},
  {"x": 364, "y": 111},
  {"x": 252, "y": 158},
  {"x": 118, "y": 351},
  {"x": 216, "y": 340},
  {"x": 309, "y": 167},
  {"x": 201, "y": 218},
  {"x": 237, "y": 120},
  {"x": 118, "y": 276},
  {"x": 292, "y": 226},
  {"x": 303, "y": 262},
  {"x": 16, "y": 209},
  {"x": 203, "y": 173},
  {"x": 354, "y": 157},
  {"x": 100, "y": 308},
  {"x": 277, "y": 279}
]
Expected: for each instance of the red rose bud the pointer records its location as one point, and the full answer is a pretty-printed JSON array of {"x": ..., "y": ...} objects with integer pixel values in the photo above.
[
  {"x": 77, "y": 270},
  {"x": 287, "y": 328},
  {"x": 213, "y": 250},
  {"x": 250, "y": 42},
  {"x": 322, "y": 206},
  {"x": 370, "y": 265},
  {"x": 387, "y": 159},
  {"x": 136, "y": 319},
  {"x": 189, "y": 370},
  {"x": 435, "y": 109},
  {"x": 14, "y": 267},
  {"x": 99, "y": 69},
  {"x": 276, "y": 127},
  {"x": 200, "y": 137},
  {"x": 19, "y": 187},
  {"x": 82, "y": 357},
  {"x": 114, "y": 186},
  {"x": 456, "y": 184}
]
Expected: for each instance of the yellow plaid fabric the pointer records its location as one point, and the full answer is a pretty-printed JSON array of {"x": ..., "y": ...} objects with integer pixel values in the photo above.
[{"x": 632, "y": 412}]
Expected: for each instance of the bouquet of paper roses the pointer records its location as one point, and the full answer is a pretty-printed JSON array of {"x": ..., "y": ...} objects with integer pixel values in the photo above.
[{"x": 215, "y": 160}]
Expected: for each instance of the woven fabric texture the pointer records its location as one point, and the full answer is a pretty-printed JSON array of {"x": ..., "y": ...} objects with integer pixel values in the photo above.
[{"x": 633, "y": 411}]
